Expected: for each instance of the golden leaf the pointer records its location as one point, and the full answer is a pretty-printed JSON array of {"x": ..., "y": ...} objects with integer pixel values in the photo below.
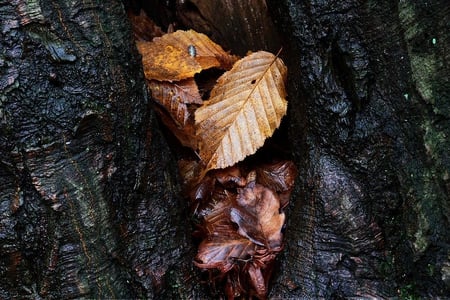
[
  {"x": 168, "y": 58},
  {"x": 245, "y": 107}
]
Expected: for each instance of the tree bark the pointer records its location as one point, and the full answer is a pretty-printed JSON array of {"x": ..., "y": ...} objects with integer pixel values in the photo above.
[
  {"x": 90, "y": 202},
  {"x": 367, "y": 93},
  {"x": 89, "y": 199}
]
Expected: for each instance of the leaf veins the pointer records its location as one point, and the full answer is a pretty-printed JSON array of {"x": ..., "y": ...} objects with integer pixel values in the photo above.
[{"x": 245, "y": 107}]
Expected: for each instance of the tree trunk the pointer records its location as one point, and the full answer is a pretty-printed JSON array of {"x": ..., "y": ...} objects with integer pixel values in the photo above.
[
  {"x": 369, "y": 93},
  {"x": 89, "y": 199},
  {"x": 90, "y": 202}
]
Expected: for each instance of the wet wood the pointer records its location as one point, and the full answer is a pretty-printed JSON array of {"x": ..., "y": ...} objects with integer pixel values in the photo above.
[{"x": 89, "y": 198}]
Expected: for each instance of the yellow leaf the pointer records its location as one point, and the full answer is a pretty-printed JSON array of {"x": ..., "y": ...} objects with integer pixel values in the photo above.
[
  {"x": 245, "y": 107},
  {"x": 169, "y": 58}
]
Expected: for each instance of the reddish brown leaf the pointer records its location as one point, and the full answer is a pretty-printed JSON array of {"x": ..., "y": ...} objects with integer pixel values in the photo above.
[
  {"x": 185, "y": 134},
  {"x": 278, "y": 176},
  {"x": 257, "y": 215},
  {"x": 189, "y": 173},
  {"x": 222, "y": 252},
  {"x": 223, "y": 245},
  {"x": 230, "y": 177},
  {"x": 144, "y": 29},
  {"x": 174, "y": 97},
  {"x": 257, "y": 280},
  {"x": 241, "y": 230}
]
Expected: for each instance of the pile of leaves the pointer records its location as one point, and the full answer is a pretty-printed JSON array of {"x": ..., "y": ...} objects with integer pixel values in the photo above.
[
  {"x": 242, "y": 220},
  {"x": 238, "y": 205}
]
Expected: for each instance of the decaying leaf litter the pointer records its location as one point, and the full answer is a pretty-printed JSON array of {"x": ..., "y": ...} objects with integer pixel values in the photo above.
[{"x": 238, "y": 205}]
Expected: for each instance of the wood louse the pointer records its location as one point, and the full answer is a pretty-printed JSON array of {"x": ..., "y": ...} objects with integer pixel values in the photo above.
[{"x": 192, "y": 50}]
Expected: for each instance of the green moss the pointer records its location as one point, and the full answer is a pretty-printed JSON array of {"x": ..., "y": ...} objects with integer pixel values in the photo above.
[
  {"x": 407, "y": 16},
  {"x": 425, "y": 38},
  {"x": 423, "y": 68},
  {"x": 407, "y": 292},
  {"x": 421, "y": 236},
  {"x": 386, "y": 268},
  {"x": 435, "y": 141}
]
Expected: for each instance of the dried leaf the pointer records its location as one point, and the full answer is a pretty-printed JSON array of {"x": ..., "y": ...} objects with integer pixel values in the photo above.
[
  {"x": 168, "y": 58},
  {"x": 257, "y": 280},
  {"x": 188, "y": 170},
  {"x": 185, "y": 134},
  {"x": 174, "y": 97},
  {"x": 240, "y": 232},
  {"x": 144, "y": 29},
  {"x": 223, "y": 250},
  {"x": 230, "y": 177},
  {"x": 258, "y": 215},
  {"x": 279, "y": 176},
  {"x": 223, "y": 245},
  {"x": 245, "y": 108}
]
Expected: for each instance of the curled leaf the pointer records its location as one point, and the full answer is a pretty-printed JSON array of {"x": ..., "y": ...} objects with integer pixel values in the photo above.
[
  {"x": 258, "y": 215},
  {"x": 223, "y": 245},
  {"x": 278, "y": 176},
  {"x": 245, "y": 107},
  {"x": 230, "y": 177},
  {"x": 174, "y": 97},
  {"x": 184, "y": 133},
  {"x": 257, "y": 280},
  {"x": 241, "y": 228}
]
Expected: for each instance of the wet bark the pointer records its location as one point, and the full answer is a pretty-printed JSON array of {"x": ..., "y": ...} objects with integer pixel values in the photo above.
[
  {"x": 369, "y": 92},
  {"x": 89, "y": 193},
  {"x": 89, "y": 199}
]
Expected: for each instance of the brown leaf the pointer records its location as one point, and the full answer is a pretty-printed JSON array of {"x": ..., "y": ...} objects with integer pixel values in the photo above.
[
  {"x": 223, "y": 245},
  {"x": 144, "y": 29},
  {"x": 167, "y": 58},
  {"x": 257, "y": 280},
  {"x": 185, "y": 134},
  {"x": 279, "y": 176},
  {"x": 174, "y": 97},
  {"x": 230, "y": 177},
  {"x": 221, "y": 251},
  {"x": 257, "y": 215},
  {"x": 189, "y": 173},
  {"x": 245, "y": 108}
]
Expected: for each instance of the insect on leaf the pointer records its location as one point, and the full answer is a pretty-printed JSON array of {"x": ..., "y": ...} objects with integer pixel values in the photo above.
[
  {"x": 245, "y": 107},
  {"x": 167, "y": 58}
]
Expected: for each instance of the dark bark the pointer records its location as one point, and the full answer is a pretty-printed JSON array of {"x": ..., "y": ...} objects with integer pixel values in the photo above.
[
  {"x": 89, "y": 193},
  {"x": 370, "y": 216},
  {"x": 89, "y": 198}
]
